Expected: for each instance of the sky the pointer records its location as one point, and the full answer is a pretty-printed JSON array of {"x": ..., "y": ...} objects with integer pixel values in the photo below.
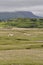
[{"x": 35, "y": 6}]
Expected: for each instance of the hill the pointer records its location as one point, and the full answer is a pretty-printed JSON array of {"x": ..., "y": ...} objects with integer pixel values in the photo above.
[{"x": 17, "y": 14}]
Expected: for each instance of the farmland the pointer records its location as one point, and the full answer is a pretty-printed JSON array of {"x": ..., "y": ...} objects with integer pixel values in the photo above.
[{"x": 21, "y": 46}]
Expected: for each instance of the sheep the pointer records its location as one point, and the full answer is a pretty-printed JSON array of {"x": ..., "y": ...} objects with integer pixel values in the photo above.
[
  {"x": 10, "y": 34},
  {"x": 27, "y": 34}
]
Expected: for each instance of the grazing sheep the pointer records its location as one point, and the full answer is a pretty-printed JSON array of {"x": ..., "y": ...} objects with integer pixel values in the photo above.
[
  {"x": 10, "y": 34},
  {"x": 27, "y": 34}
]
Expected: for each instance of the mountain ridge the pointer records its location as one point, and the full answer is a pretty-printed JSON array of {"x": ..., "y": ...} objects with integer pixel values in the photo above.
[{"x": 17, "y": 14}]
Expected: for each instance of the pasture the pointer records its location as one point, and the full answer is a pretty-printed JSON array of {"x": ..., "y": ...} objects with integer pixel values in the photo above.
[{"x": 21, "y": 46}]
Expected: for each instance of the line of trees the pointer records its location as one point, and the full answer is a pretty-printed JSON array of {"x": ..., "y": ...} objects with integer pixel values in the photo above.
[{"x": 25, "y": 23}]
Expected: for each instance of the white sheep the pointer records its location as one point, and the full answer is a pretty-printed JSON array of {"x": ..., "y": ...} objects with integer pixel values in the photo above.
[
  {"x": 10, "y": 34},
  {"x": 27, "y": 34}
]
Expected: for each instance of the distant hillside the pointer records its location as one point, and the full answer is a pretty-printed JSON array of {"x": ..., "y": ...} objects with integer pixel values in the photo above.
[{"x": 18, "y": 14}]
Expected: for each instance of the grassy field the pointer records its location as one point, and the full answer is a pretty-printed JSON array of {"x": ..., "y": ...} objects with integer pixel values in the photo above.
[{"x": 21, "y": 46}]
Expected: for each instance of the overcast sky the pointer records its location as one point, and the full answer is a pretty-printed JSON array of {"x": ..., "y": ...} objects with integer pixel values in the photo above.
[{"x": 36, "y": 6}]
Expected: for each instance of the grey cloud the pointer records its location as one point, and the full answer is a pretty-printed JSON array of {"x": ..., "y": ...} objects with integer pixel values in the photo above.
[
  {"x": 18, "y": 3},
  {"x": 7, "y": 5}
]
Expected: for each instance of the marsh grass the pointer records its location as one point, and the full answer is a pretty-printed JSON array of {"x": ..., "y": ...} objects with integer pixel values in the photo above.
[
  {"x": 21, "y": 57},
  {"x": 34, "y": 39},
  {"x": 21, "y": 49}
]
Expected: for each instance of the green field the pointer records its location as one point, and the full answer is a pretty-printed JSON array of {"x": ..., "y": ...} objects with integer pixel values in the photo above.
[{"x": 21, "y": 46}]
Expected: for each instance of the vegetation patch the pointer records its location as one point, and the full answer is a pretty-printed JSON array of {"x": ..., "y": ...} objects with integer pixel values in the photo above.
[
  {"x": 22, "y": 39},
  {"x": 23, "y": 23}
]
